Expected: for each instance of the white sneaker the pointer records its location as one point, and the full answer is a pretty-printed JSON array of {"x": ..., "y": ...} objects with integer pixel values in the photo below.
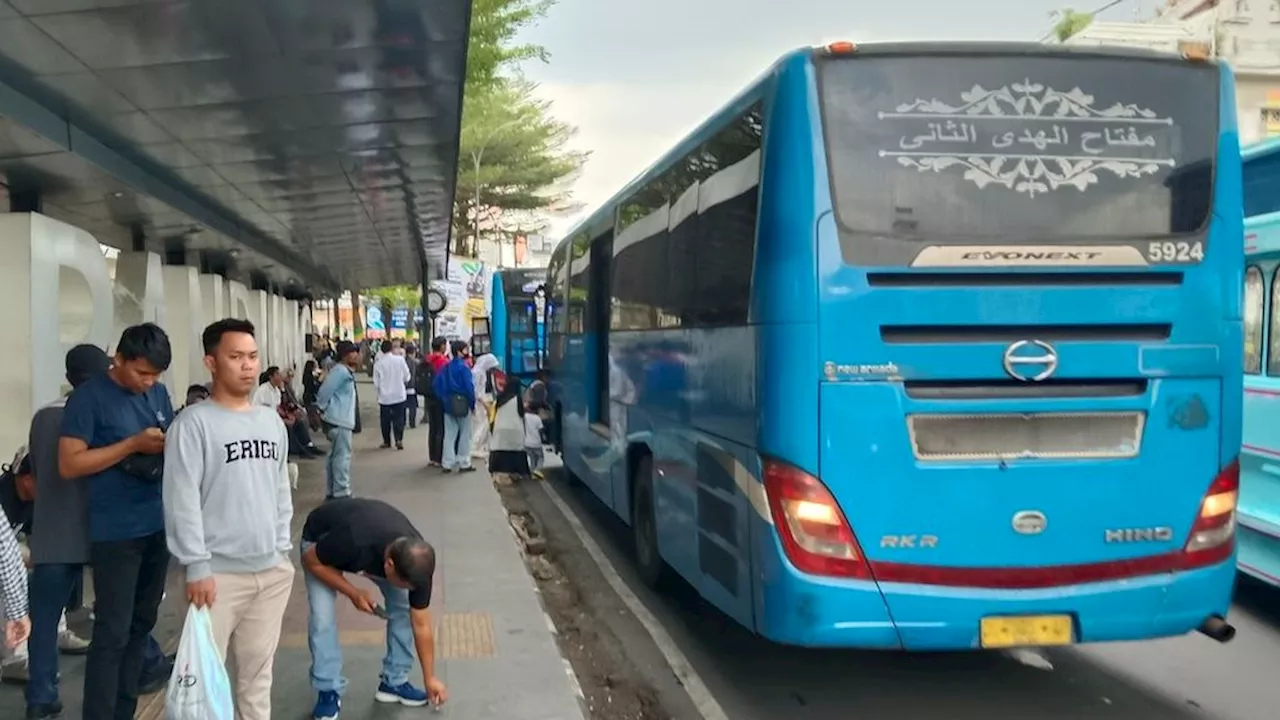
[
  {"x": 15, "y": 673},
  {"x": 70, "y": 643}
]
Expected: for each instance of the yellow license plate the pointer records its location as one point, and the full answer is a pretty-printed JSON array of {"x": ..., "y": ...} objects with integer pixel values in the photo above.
[{"x": 1026, "y": 630}]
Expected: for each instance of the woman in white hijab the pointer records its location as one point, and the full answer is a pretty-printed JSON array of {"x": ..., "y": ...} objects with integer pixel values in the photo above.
[
  {"x": 484, "y": 404},
  {"x": 507, "y": 441}
]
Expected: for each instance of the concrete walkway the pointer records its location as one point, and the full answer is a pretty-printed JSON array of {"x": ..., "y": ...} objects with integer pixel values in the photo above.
[{"x": 496, "y": 648}]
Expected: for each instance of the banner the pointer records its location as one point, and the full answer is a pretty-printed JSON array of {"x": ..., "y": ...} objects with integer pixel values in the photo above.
[
  {"x": 374, "y": 325},
  {"x": 468, "y": 296}
]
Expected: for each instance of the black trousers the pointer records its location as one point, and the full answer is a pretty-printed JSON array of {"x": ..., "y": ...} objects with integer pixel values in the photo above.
[
  {"x": 435, "y": 429},
  {"x": 299, "y": 437},
  {"x": 411, "y": 410},
  {"x": 392, "y": 417},
  {"x": 128, "y": 584}
]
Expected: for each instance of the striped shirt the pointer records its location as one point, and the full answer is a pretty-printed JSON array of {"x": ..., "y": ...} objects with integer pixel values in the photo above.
[{"x": 13, "y": 573}]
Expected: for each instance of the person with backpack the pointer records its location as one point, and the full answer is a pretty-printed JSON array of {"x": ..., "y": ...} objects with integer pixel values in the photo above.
[
  {"x": 433, "y": 412},
  {"x": 59, "y": 541},
  {"x": 414, "y": 361},
  {"x": 457, "y": 392}
]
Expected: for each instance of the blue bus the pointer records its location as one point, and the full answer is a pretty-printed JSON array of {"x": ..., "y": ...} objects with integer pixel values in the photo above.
[
  {"x": 924, "y": 347},
  {"x": 1259, "y": 514},
  {"x": 517, "y": 327}
]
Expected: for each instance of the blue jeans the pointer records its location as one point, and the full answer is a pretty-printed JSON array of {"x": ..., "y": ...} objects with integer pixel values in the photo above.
[
  {"x": 457, "y": 442},
  {"x": 337, "y": 467},
  {"x": 50, "y": 590},
  {"x": 322, "y": 634}
]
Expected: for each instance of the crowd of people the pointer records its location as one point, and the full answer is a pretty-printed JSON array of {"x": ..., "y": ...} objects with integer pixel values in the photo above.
[
  {"x": 113, "y": 480},
  {"x": 472, "y": 410}
]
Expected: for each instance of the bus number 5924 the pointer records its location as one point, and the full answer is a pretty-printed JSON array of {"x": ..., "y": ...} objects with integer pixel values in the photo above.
[{"x": 1170, "y": 252}]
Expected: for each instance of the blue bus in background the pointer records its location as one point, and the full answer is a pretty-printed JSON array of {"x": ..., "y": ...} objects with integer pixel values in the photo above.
[
  {"x": 924, "y": 347},
  {"x": 1260, "y": 459},
  {"x": 518, "y": 335}
]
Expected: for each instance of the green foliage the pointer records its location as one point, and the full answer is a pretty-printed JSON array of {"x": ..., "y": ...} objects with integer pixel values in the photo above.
[
  {"x": 520, "y": 148},
  {"x": 1070, "y": 22},
  {"x": 494, "y": 26},
  {"x": 397, "y": 295},
  {"x": 394, "y": 296}
]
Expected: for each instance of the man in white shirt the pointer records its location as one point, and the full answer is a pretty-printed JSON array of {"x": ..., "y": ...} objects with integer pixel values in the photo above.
[{"x": 391, "y": 378}]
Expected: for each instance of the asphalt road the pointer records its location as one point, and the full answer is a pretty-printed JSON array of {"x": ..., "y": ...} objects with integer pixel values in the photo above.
[{"x": 751, "y": 679}]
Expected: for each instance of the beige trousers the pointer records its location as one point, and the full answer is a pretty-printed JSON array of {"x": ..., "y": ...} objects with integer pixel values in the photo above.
[{"x": 246, "y": 615}]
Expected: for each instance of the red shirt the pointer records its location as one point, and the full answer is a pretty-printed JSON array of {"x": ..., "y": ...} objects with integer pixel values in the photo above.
[{"x": 438, "y": 361}]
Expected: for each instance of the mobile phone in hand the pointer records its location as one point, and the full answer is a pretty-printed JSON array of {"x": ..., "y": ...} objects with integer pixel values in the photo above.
[{"x": 380, "y": 611}]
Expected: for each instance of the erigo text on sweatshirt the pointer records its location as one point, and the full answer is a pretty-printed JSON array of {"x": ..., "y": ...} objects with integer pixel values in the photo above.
[{"x": 227, "y": 500}]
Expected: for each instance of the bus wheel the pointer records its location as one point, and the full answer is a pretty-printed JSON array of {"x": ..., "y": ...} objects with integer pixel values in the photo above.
[{"x": 644, "y": 526}]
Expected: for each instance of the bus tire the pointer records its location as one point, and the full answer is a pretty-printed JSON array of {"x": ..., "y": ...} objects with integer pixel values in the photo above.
[{"x": 644, "y": 525}]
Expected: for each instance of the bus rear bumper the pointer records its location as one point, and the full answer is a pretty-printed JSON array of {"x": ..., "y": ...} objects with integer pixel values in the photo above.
[{"x": 933, "y": 618}]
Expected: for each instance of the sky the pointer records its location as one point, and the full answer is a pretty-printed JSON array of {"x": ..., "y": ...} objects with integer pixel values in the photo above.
[{"x": 635, "y": 76}]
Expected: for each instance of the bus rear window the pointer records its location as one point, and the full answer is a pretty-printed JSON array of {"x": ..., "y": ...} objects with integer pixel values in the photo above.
[{"x": 1016, "y": 150}]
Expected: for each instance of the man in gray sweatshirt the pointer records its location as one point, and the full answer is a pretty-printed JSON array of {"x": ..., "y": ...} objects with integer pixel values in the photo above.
[{"x": 227, "y": 507}]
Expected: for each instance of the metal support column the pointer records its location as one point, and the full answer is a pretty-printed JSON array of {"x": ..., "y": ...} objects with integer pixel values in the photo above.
[{"x": 25, "y": 200}]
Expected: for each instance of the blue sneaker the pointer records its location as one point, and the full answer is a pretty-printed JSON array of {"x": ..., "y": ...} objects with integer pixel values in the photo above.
[
  {"x": 327, "y": 706},
  {"x": 404, "y": 693}
]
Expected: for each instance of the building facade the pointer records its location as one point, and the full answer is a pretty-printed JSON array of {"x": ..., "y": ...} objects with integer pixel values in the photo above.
[{"x": 1245, "y": 33}]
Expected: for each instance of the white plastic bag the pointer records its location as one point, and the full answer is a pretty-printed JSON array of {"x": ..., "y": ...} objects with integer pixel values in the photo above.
[{"x": 199, "y": 688}]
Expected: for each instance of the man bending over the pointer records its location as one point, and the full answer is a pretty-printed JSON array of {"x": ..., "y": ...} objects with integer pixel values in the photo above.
[{"x": 371, "y": 538}]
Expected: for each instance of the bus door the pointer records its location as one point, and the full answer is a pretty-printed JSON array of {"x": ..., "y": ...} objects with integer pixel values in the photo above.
[{"x": 526, "y": 346}]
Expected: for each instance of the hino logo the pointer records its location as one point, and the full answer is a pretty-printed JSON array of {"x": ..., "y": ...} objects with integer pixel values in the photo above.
[
  {"x": 1016, "y": 256},
  {"x": 1130, "y": 535},
  {"x": 1030, "y": 360}
]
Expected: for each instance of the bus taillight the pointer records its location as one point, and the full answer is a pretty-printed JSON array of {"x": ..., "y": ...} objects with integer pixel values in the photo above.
[
  {"x": 814, "y": 532},
  {"x": 1215, "y": 526}
]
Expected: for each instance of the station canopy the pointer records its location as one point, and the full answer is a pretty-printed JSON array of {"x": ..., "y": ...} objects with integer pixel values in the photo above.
[{"x": 312, "y": 144}]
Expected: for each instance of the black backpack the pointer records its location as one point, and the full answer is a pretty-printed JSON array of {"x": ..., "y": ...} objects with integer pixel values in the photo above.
[{"x": 424, "y": 378}]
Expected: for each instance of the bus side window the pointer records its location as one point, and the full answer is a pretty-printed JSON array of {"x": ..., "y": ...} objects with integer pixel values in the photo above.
[
  {"x": 727, "y": 209},
  {"x": 639, "y": 281},
  {"x": 1254, "y": 297},
  {"x": 1273, "y": 328}
]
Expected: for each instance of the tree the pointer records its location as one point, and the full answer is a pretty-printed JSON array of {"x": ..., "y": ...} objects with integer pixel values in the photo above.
[
  {"x": 520, "y": 148},
  {"x": 514, "y": 162},
  {"x": 1070, "y": 23},
  {"x": 494, "y": 27}
]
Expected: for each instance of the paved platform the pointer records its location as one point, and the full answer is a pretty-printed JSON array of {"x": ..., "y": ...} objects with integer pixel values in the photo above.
[{"x": 496, "y": 648}]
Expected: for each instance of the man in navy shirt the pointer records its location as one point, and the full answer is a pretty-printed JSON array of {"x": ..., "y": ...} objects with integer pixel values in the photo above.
[{"x": 112, "y": 437}]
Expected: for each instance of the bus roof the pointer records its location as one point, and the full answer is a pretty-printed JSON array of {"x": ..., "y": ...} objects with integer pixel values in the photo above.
[
  {"x": 1015, "y": 49},
  {"x": 602, "y": 217}
]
